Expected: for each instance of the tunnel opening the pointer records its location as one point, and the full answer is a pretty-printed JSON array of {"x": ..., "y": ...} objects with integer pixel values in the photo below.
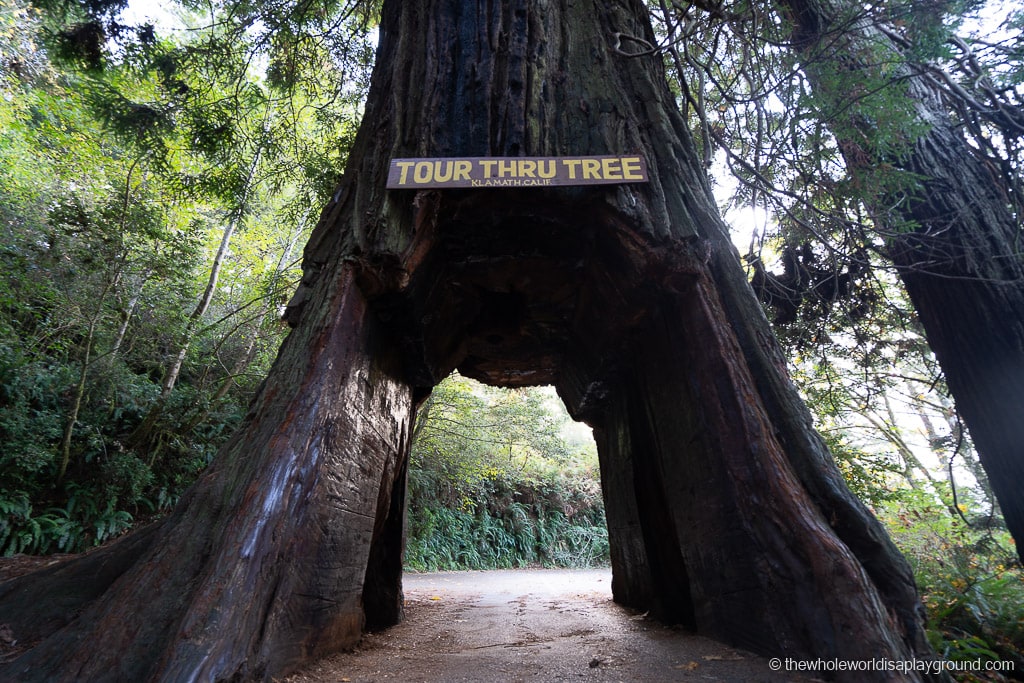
[
  {"x": 502, "y": 479},
  {"x": 527, "y": 290},
  {"x": 702, "y": 500},
  {"x": 499, "y": 289}
]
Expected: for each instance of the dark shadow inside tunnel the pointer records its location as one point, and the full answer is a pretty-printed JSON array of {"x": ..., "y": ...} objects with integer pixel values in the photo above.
[{"x": 516, "y": 292}]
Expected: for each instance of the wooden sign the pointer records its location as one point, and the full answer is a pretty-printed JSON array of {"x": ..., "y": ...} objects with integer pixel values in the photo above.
[{"x": 515, "y": 171}]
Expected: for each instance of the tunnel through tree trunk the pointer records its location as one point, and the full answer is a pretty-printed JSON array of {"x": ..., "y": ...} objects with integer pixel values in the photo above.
[{"x": 725, "y": 512}]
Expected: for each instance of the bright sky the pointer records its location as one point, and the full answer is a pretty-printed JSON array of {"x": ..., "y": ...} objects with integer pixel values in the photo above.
[{"x": 163, "y": 15}]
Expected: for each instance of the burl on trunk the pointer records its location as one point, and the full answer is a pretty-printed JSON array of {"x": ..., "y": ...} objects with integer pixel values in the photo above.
[{"x": 725, "y": 511}]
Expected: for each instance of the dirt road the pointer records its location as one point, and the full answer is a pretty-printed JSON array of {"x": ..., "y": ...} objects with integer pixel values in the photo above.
[{"x": 531, "y": 625}]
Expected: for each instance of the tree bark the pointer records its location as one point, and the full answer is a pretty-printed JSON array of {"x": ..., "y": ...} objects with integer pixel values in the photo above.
[
  {"x": 262, "y": 565},
  {"x": 958, "y": 250},
  {"x": 725, "y": 511}
]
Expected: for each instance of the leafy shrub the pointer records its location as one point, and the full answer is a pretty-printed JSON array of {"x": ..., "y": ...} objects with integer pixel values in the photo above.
[
  {"x": 970, "y": 582},
  {"x": 496, "y": 483}
]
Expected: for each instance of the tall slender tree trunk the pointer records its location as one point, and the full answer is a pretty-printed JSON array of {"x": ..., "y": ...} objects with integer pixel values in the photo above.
[
  {"x": 76, "y": 402},
  {"x": 958, "y": 249},
  {"x": 83, "y": 377},
  {"x": 142, "y": 436},
  {"x": 247, "y": 357},
  {"x": 126, "y": 316},
  {"x": 173, "y": 370},
  {"x": 725, "y": 511}
]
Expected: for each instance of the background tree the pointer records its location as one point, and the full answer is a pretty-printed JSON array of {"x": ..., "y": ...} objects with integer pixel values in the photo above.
[
  {"x": 955, "y": 243},
  {"x": 817, "y": 261},
  {"x": 907, "y": 177}
]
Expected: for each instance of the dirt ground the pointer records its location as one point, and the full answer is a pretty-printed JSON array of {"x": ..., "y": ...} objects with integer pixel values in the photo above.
[
  {"x": 535, "y": 625},
  {"x": 531, "y": 625}
]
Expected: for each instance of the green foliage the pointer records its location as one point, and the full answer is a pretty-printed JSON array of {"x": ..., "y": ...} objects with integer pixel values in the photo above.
[
  {"x": 968, "y": 576},
  {"x": 868, "y": 474},
  {"x": 500, "y": 479},
  {"x": 116, "y": 183}
]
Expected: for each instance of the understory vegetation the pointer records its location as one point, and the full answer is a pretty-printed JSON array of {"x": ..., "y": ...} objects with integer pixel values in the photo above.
[
  {"x": 502, "y": 478},
  {"x": 967, "y": 573},
  {"x": 157, "y": 186}
]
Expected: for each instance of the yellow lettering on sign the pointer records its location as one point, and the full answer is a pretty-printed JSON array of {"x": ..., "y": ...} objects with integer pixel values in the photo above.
[
  {"x": 462, "y": 169},
  {"x": 445, "y": 175},
  {"x": 515, "y": 171},
  {"x": 572, "y": 165},
  {"x": 404, "y": 166},
  {"x": 631, "y": 168},
  {"x": 611, "y": 169},
  {"x": 423, "y": 172}
]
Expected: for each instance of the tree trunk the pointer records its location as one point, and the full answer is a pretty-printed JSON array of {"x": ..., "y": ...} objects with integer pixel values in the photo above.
[
  {"x": 126, "y": 317},
  {"x": 725, "y": 512},
  {"x": 142, "y": 437},
  {"x": 83, "y": 379},
  {"x": 959, "y": 255},
  {"x": 262, "y": 565}
]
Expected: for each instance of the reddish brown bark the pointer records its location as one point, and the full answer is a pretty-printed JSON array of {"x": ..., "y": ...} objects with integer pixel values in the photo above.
[
  {"x": 263, "y": 565},
  {"x": 713, "y": 480}
]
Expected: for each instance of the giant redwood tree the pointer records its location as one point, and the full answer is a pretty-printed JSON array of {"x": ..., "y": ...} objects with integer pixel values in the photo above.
[
  {"x": 725, "y": 511},
  {"x": 953, "y": 233}
]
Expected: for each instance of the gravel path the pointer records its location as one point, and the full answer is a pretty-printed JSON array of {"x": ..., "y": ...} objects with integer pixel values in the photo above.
[{"x": 531, "y": 625}]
